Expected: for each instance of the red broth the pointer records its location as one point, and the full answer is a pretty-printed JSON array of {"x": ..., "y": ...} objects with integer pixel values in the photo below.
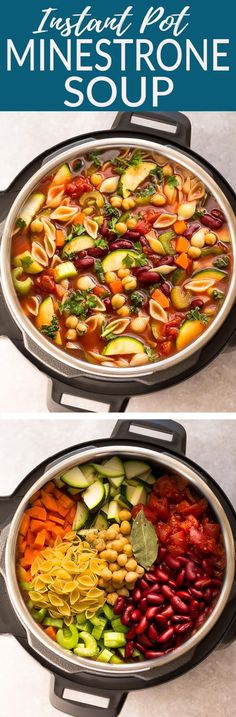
[{"x": 121, "y": 258}]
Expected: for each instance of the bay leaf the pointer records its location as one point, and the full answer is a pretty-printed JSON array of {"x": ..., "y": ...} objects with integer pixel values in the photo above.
[{"x": 144, "y": 541}]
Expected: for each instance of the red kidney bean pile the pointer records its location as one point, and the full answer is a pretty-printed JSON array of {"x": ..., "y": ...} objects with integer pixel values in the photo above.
[{"x": 168, "y": 604}]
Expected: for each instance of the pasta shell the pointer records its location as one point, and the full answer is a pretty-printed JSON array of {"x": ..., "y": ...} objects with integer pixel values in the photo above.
[
  {"x": 109, "y": 185},
  {"x": 170, "y": 193},
  {"x": 96, "y": 357},
  {"x": 94, "y": 322},
  {"x": 165, "y": 269},
  {"x": 197, "y": 190},
  {"x": 199, "y": 285},
  {"x": 32, "y": 305},
  {"x": 187, "y": 184},
  {"x": 49, "y": 236},
  {"x": 156, "y": 329},
  {"x": 39, "y": 254},
  {"x": 91, "y": 227},
  {"x": 165, "y": 220},
  {"x": 155, "y": 244},
  {"x": 186, "y": 210},
  {"x": 55, "y": 195},
  {"x": 116, "y": 327},
  {"x": 55, "y": 261},
  {"x": 157, "y": 312},
  {"x": 64, "y": 214},
  {"x": 100, "y": 306}
]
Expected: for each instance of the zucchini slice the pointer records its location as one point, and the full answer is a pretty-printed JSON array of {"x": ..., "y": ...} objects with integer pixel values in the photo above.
[
  {"x": 62, "y": 175},
  {"x": 88, "y": 472},
  {"x": 113, "y": 512},
  {"x": 66, "y": 270},
  {"x": 106, "y": 490},
  {"x": 122, "y": 500},
  {"x": 110, "y": 469},
  {"x": 77, "y": 244},
  {"x": 115, "y": 259},
  {"x": 82, "y": 514},
  {"x": 75, "y": 478},
  {"x": 189, "y": 331},
  {"x": 94, "y": 495},
  {"x": 123, "y": 345},
  {"x": 100, "y": 522},
  {"x": 133, "y": 176},
  {"x": 29, "y": 265},
  {"x": 133, "y": 469},
  {"x": 46, "y": 313},
  {"x": 136, "y": 494}
]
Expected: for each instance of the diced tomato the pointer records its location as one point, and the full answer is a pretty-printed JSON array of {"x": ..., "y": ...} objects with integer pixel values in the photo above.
[
  {"x": 212, "y": 530},
  {"x": 190, "y": 522},
  {"x": 165, "y": 348},
  {"x": 177, "y": 544},
  {"x": 45, "y": 283},
  {"x": 172, "y": 331},
  {"x": 142, "y": 227},
  {"x": 195, "y": 509},
  {"x": 78, "y": 186},
  {"x": 167, "y": 487},
  {"x": 159, "y": 506},
  {"x": 163, "y": 532},
  {"x": 197, "y": 538},
  {"x": 150, "y": 515}
]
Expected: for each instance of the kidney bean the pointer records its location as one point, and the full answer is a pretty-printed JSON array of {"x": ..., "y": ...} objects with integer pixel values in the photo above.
[
  {"x": 179, "y": 618},
  {"x": 194, "y": 608},
  {"x": 198, "y": 594},
  {"x": 207, "y": 566},
  {"x": 141, "y": 648},
  {"x": 162, "y": 575},
  {"x": 119, "y": 605},
  {"x": 143, "y": 604},
  {"x": 148, "y": 277},
  {"x": 154, "y": 588},
  {"x": 211, "y": 222},
  {"x": 144, "y": 640},
  {"x": 183, "y": 560},
  {"x": 167, "y": 612},
  {"x": 197, "y": 303},
  {"x": 96, "y": 252},
  {"x": 155, "y": 599},
  {"x": 162, "y": 552},
  {"x": 215, "y": 593},
  {"x": 215, "y": 582},
  {"x": 167, "y": 592},
  {"x": 132, "y": 234},
  {"x": 200, "y": 620},
  {"x": 166, "y": 288},
  {"x": 152, "y": 633},
  {"x": 85, "y": 263},
  {"x": 208, "y": 595},
  {"x": 125, "y": 618},
  {"x": 184, "y": 595},
  {"x": 190, "y": 571},
  {"x": 166, "y": 260},
  {"x": 202, "y": 583},
  {"x": 152, "y": 654},
  {"x": 129, "y": 648},
  {"x": 82, "y": 254},
  {"x": 142, "y": 584},
  {"x": 142, "y": 625},
  {"x": 218, "y": 214},
  {"x": 104, "y": 229},
  {"x": 172, "y": 562},
  {"x": 167, "y": 635},
  {"x": 172, "y": 584},
  {"x": 152, "y": 612},
  {"x": 131, "y": 633},
  {"x": 179, "y": 605},
  {"x": 144, "y": 242},
  {"x": 180, "y": 577},
  {"x": 183, "y": 629},
  {"x": 191, "y": 229},
  {"x": 161, "y": 620},
  {"x": 136, "y": 614},
  {"x": 150, "y": 577},
  {"x": 121, "y": 244},
  {"x": 107, "y": 303},
  {"x": 136, "y": 595}
]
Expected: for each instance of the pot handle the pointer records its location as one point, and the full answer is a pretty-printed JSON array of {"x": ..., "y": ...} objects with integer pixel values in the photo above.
[
  {"x": 80, "y": 709},
  {"x": 163, "y": 433},
  {"x": 56, "y": 403},
  {"x": 181, "y": 134}
]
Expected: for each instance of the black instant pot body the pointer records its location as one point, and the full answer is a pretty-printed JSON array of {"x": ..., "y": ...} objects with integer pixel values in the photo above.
[
  {"x": 67, "y": 389},
  {"x": 169, "y": 438}
]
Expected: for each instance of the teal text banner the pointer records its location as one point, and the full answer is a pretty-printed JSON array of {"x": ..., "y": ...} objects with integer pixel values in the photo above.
[{"x": 118, "y": 55}]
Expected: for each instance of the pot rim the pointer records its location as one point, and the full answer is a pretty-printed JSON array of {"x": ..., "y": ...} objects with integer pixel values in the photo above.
[
  {"x": 57, "y": 353},
  {"x": 176, "y": 465}
]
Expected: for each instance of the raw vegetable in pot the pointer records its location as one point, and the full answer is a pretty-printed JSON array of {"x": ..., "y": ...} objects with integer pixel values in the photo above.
[
  {"x": 120, "y": 249},
  {"x": 117, "y": 563}
]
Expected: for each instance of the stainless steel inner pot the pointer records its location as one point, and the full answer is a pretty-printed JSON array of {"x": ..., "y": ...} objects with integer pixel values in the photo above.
[
  {"x": 38, "y": 640},
  {"x": 26, "y": 326}
]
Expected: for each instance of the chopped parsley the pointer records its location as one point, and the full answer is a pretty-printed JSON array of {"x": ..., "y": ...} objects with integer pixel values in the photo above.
[
  {"x": 101, "y": 243},
  {"x": 151, "y": 354},
  {"x": 51, "y": 329},
  {"x": 172, "y": 181},
  {"x": 217, "y": 295},
  {"x": 110, "y": 211},
  {"x": 20, "y": 223},
  {"x": 112, "y": 224},
  {"x": 79, "y": 303},
  {"x": 196, "y": 315},
  {"x": 76, "y": 231},
  {"x": 95, "y": 159},
  {"x": 99, "y": 270},
  {"x": 129, "y": 261},
  {"x": 136, "y": 300},
  {"x": 222, "y": 262},
  {"x": 26, "y": 261},
  {"x": 157, "y": 172},
  {"x": 199, "y": 213},
  {"x": 78, "y": 164},
  {"x": 121, "y": 164},
  {"x": 138, "y": 260},
  {"x": 147, "y": 191}
]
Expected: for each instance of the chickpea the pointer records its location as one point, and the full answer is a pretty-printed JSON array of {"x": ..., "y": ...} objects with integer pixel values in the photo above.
[
  {"x": 121, "y": 227},
  {"x": 123, "y": 591},
  {"x": 71, "y": 335},
  {"x": 96, "y": 179},
  {"x": 131, "y": 223},
  {"x": 111, "y": 533},
  {"x": 139, "y": 324},
  {"x": 129, "y": 283},
  {"x": 140, "y": 570},
  {"x": 122, "y": 559},
  {"x": 128, "y": 203},
  {"x": 112, "y": 598},
  {"x": 102, "y": 534},
  {"x": 81, "y": 328},
  {"x": 125, "y": 527},
  {"x": 124, "y": 540},
  {"x": 109, "y": 544},
  {"x": 124, "y": 311},
  {"x": 87, "y": 211},
  {"x": 99, "y": 220},
  {"x": 85, "y": 282},
  {"x": 114, "y": 567},
  {"x": 116, "y": 527},
  {"x": 101, "y": 583},
  {"x": 100, "y": 545},
  {"x": 91, "y": 537},
  {"x": 198, "y": 241},
  {"x": 117, "y": 301},
  {"x": 194, "y": 252},
  {"x": 111, "y": 555},
  {"x": 131, "y": 565},
  {"x": 118, "y": 577},
  {"x": 106, "y": 574},
  {"x": 103, "y": 555},
  {"x": 139, "y": 360},
  {"x": 158, "y": 200},
  {"x": 167, "y": 170},
  {"x": 123, "y": 272},
  {"x": 36, "y": 226},
  {"x": 117, "y": 545},
  {"x": 131, "y": 577},
  {"x": 116, "y": 202},
  {"x": 71, "y": 322},
  {"x": 210, "y": 238},
  {"x": 110, "y": 276},
  {"x": 128, "y": 550},
  {"x": 125, "y": 514}
]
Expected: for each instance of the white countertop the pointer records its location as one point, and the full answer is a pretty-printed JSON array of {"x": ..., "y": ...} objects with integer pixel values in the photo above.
[
  {"x": 22, "y": 137},
  {"x": 207, "y": 691}
]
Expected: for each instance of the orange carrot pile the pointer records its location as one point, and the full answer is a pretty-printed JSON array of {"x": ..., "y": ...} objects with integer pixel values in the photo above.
[{"x": 51, "y": 514}]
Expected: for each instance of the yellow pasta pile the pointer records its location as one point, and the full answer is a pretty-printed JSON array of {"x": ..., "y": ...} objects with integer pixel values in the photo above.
[{"x": 65, "y": 578}]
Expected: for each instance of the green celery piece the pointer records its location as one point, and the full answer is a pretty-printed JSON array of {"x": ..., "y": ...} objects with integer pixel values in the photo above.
[
  {"x": 81, "y": 618},
  {"x": 85, "y": 626},
  {"x": 115, "y": 660},
  {"x": 68, "y": 637},
  {"x": 108, "y": 612},
  {"x": 165, "y": 240},
  {"x": 105, "y": 655},
  {"x": 89, "y": 648},
  {"x": 53, "y": 621},
  {"x": 39, "y": 615},
  {"x": 99, "y": 627},
  {"x": 26, "y": 586},
  {"x": 114, "y": 639},
  {"x": 117, "y": 626}
]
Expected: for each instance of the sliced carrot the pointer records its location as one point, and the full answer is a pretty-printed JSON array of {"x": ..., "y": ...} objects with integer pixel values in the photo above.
[
  {"x": 182, "y": 260},
  {"x": 66, "y": 501},
  {"x": 70, "y": 516},
  {"x": 49, "y": 501},
  {"x": 24, "y": 526},
  {"x": 35, "y": 496},
  {"x": 37, "y": 525},
  {"x": 37, "y": 502},
  {"x": 37, "y": 512},
  {"x": 51, "y": 632},
  {"x": 182, "y": 244},
  {"x": 55, "y": 519},
  {"x": 60, "y": 291},
  {"x": 179, "y": 227},
  {"x": 116, "y": 286},
  {"x": 29, "y": 557},
  {"x": 29, "y": 537},
  {"x": 78, "y": 218},
  {"x": 60, "y": 237},
  {"x": 161, "y": 298},
  {"x": 100, "y": 291},
  {"x": 49, "y": 487},
  {"x": 22, "y": 547},
  {"x": 40, "y": 539},
  {"x": 56, "y": 529}
]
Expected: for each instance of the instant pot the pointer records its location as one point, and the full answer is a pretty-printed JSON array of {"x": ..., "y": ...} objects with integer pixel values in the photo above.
[
  {"x": 73, "y": 379},
  {"x": 162, "y": 444}
]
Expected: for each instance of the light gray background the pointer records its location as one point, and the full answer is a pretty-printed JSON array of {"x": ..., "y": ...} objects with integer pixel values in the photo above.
[
  {"x": 22, "y": 137},
  {"x": 207, "y": 691}
]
